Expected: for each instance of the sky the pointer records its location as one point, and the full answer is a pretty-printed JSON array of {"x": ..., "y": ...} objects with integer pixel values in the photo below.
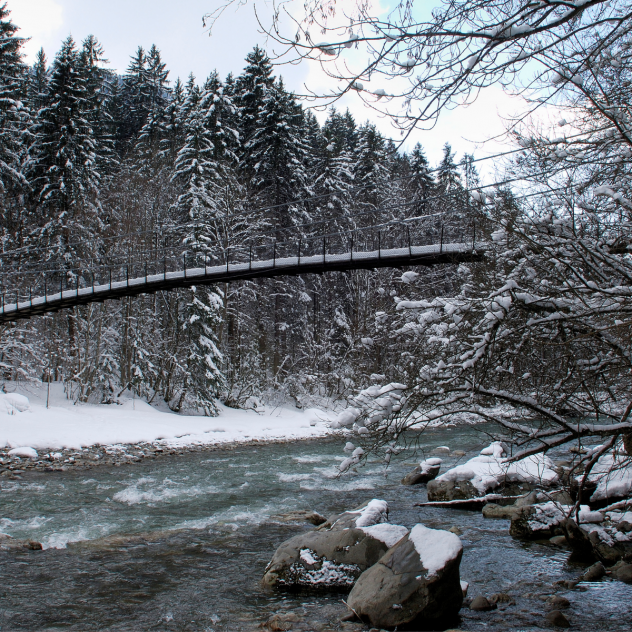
[{"x": 177, "y": 30}]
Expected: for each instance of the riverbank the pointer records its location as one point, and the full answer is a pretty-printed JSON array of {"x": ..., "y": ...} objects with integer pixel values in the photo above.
[{"x": 64, "y": 435}]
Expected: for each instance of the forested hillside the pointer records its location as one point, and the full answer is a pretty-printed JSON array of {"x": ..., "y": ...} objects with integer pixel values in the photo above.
[{"x": 99, "y": 168}]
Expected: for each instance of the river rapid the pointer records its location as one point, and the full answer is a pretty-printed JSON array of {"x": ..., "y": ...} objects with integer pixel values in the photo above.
[{"x": 181, "y": 542}]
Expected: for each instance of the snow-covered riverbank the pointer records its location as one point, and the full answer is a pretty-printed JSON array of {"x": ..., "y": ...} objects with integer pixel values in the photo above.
[{"x": 66, "y": 425}]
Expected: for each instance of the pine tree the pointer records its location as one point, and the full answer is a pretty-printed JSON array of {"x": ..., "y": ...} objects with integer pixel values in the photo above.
[
  {"x": 371, "y": 170},
  {"x": 333, "y": 175},
  {"x": 13, "y": 115},
  {"x": 63, "y": 167},
  {"x": 38, "y": 82},
  {"x": 251, "y": 88},
  {"x": 205, "y": 381},
  {"x": 420, "y": 183},
  {"x": 276, "y": 155}
]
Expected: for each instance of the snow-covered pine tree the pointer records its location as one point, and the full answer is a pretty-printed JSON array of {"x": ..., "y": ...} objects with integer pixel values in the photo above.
[
  {"x": 420, "y": 183},
  {"x": 250, "y": 88},
  {"x": 197, "y": 171},
  {"x": 38, "y": 82},
  {"x": 276, "y": 157},
  {"x": 333, "y": 176},
  {"x": 63, "y": 165},
  {"x": 204, "y": 381},
  {"x": 14, "y": 121},
  {"x": 371, "y": 172}
]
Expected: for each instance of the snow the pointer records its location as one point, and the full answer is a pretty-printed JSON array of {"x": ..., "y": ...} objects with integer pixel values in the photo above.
[
  {"x": 613, "y": 475},
  {"x": 489, "y": 469},
  {"x": 29, "y": 453},
  {"x": 435, "y": 547},
  {"x": 390, "y": 534},
  {"x": 13, "y": 403},
  {"x": 65, "y": 425},
  {"x": 431, "y": 462},
  {"x": 308, "y": 557},
  {"x": 375, "y": 512}
]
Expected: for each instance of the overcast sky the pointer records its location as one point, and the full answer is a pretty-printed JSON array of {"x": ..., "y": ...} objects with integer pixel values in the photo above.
[{"x": 176, "y": 28}]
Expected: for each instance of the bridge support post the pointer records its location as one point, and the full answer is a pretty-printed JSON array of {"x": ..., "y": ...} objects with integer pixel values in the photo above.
[
  {"x": 110, "y": 270},
  {"x": 324, "y": 251},
  {"x": 184, "y": 258},
  {"x": 441, "y": 242},
  {"x": 379, "y": 244},
  {"x": 410, "y": 248},
  {"x": 250, "y": 260},
  {"x": 299, "y": 252},
  {"x": 274, "y": 255},
  {"x": 227, "y": 258},
  {"x": 45, "y": 292},
  {"x": 352, "y": 236},
  {"x": 473, "y": 235}
]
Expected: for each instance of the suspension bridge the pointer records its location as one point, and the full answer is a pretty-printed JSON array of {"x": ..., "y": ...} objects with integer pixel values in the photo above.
[{"x": 421, "y": 241}]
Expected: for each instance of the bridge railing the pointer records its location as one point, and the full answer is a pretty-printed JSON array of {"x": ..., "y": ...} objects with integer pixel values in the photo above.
[{"x": 21, "y": 286}]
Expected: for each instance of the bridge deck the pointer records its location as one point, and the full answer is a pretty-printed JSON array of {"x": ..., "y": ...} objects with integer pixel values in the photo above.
[{"x": 315, "y": 264}]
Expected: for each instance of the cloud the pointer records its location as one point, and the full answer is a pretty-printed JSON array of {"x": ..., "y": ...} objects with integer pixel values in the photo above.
[{"x": 40, "y": 20}]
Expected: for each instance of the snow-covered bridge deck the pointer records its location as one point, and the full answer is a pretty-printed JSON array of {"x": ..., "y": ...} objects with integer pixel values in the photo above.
[{"x": 271, "y": 267}]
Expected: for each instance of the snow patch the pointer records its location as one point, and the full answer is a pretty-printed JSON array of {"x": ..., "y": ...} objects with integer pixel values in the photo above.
[
  {"x": 390, "y": 534},
  {"x": 28, "y": 453},
  {"x": 435, "y": 547}
]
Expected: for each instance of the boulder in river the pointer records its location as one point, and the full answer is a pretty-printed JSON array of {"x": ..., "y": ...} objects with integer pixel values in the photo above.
[
  {"x": 370, "y": 513},
  {"x": 604, "y": 540},
  {"x": 426, "y": 471},
  {"x": 417, "y": 580},
  {"x": 334, "y": 558},
  {"x": 491, "y": 471},
  {"x": 542, "y": 521}
]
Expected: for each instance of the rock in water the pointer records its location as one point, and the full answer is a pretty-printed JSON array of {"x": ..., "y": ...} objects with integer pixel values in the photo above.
[
  {"x": 491, "y": 471},
  {"x": 334, "y": 558},
  {"x": 594, "y": 572},
  {"x": 426, "y": 471},
  {"x": 624, "y": 573},
  {"x": 370, "y": 513},
  {"x": 416, "y": 580},
  {"x": 556, "y": 618},
  {"x": 481, "y": 604}
]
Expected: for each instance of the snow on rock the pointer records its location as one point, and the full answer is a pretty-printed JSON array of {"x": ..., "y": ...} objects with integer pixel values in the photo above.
[
  {"x": 66, "y": 425},
  {"x": 334, "y": 555},
  {"x": 371, "y": 513},
  {"x": 417, "y": 579},
  {"x": 13, "y": 402},
  {"x": 390, "y": 534},
  {"x": 609, "y": 540},
  {"x": 490, "y": 470},
  {"x": 424, "y": 472},
  {"x": 613, "y": 475},
  {"x": 28, "y": 453},
  {"x": 435, "y": 547},
  {"x": 544, "y": 520}
]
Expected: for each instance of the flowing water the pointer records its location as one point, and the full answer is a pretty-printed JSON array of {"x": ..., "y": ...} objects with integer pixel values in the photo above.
[{"x": 181, "y": 542}]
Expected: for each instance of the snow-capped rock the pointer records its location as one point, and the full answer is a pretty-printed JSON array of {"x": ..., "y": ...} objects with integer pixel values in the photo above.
[
  {"x": 416, "y": 580},
  {"x": 424, "y": 472},
  {"x": 492, "y": 471},
  {"x": 609, "y": 540},
  {"x": 334, "y": 556},
  {"x": 27, "y": 453},
  {"x": 370, "y": 513}
]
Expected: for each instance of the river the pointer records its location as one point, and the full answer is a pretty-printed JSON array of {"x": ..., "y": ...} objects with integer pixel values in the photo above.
[{"x": 198, "y": 530}]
